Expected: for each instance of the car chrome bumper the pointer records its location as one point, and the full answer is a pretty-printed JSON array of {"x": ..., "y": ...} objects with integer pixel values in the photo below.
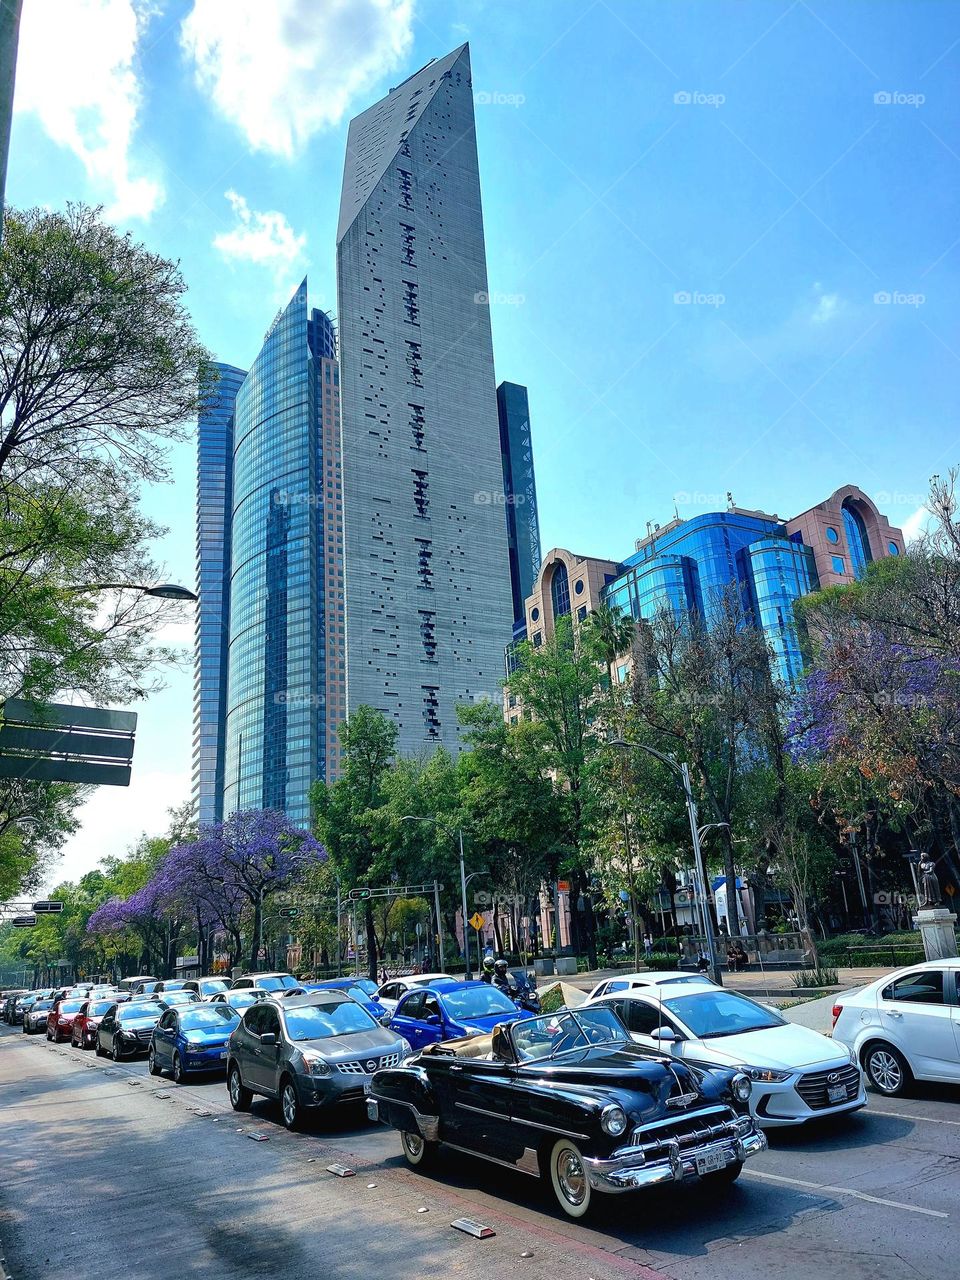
[{"x": 629, "y": 1170}]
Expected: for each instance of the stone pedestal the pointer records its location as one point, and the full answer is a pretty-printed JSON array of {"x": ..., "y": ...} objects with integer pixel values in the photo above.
[
  {"x": 543, "y": 968},
  {"x": 566, "y": 965},
  {"x": 936, "y": 925}
]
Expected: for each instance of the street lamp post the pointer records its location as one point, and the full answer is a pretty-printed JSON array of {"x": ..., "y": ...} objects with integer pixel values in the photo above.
[
  {"x": 415, "y": 817},
  {"x": 683, "y": 773}
]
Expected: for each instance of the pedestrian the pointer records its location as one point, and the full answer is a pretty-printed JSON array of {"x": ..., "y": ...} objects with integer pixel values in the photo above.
[
  {"x": 647, "y": 946},
  {"x": 703, "y": 964}
]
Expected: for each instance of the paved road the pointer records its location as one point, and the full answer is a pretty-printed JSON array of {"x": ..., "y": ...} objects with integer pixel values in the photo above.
[{"x": 105, "y": 1171}]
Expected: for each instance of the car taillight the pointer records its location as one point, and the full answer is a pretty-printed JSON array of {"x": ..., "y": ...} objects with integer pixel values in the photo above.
[{"x": 837, "y": 1010}]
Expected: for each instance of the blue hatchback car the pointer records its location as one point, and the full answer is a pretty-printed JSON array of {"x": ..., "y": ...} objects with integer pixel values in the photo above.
[
  {"x": 192, "y": 1037},
  {"x": 454, "y": 1009},
  {"x": 360, "y": 989}
]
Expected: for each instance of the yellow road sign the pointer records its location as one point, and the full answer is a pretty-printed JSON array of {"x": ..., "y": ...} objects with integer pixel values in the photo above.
[{"x": 477, "y": 921}]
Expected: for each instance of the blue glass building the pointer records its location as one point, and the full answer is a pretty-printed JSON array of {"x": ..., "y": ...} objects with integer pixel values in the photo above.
[
  {"x": 520, "y": 491},
  {"x": 285, "y": 673},
  {"x": 214, "y": 505}
]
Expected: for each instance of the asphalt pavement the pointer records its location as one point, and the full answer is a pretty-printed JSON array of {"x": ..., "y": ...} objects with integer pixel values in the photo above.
[{"x": 106, "y": 1171}]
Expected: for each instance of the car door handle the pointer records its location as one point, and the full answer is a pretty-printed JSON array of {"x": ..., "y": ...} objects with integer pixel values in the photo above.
[
  {"x": 895, "y": 1013},
  {"x": 456, "y": 1066}
]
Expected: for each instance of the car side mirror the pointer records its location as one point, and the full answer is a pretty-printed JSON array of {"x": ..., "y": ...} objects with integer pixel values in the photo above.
[
  {"x": 664, "y": 1035},
  {"x": 268, "y": 1038},
  {"x": 384, "y": 1020},
  {"x": 434, "y": 1019}
]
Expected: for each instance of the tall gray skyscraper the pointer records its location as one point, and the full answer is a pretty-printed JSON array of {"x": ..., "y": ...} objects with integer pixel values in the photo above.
[
  {"x": 425, "y": 545},
  {"x": 520, "y": 491}
]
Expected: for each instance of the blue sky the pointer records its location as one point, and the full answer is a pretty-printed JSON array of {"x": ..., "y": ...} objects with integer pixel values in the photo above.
[{"x": 694, "y": 213}]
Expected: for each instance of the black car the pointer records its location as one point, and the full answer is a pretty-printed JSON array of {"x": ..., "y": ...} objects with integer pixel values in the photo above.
[
  {"x": 568, "y": 1097},
  {"x": 127, "y": 1029}
]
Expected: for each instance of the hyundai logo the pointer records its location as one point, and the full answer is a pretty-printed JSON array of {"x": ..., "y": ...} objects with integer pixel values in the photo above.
[
  {"x": 833, "y": 1077},
  {"x": 371, "y": 1065}
]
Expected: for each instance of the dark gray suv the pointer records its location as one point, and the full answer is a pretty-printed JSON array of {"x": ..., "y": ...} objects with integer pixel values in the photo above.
[{"x": 307, "y": 1052}]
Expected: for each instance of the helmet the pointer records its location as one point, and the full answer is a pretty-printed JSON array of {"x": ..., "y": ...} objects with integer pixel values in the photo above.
[
  {"x": 488, "y": 964},
  {"x": 500, "y": 966}
]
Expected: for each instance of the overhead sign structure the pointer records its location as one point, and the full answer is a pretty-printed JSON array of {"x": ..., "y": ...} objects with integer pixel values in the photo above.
[
  {"x": 288, "y": 913},
  {"x": 24, "y": 922},
  {"x": 49, "y": 907},
  {"x": 359, "y": 895},
  {"x": 56, "y": 742},
  {"x": 477, "y": 921}
]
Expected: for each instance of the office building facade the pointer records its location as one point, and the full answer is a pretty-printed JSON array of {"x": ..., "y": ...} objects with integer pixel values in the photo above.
[
  {"x": 520, "y": 491},
  {"x": 270, "y": 658},
  {"x": 425, "y": 541},
  {"x": 214, "y": 508}
]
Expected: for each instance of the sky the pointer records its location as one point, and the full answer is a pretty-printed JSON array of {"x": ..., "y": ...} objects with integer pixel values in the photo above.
[{"x": 722, "y": 239}]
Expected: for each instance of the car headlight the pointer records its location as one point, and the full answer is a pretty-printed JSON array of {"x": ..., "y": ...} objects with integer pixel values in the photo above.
[
  {"x": 315, "y": 1065},
  {"x": 852, "y": 1055},
  {"x": 613, "y": 1120},
  {"x": 405, "y": 1049},
  {"x": 740, "y": 1087},
  {"x": 764, "y": 1075}
]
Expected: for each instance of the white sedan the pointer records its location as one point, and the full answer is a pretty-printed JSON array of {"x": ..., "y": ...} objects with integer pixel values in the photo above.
[
  {"x": 797, "y": 1074},
  {"x": 392, "y": 992},
  {"x": 650, "y": 978},
  {"x": 905, "y": 1026}
]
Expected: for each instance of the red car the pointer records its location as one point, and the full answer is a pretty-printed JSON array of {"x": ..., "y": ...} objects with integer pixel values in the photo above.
[
  {"x": 83, "y": 1034},
  {"x": 60, "y": 1018}
]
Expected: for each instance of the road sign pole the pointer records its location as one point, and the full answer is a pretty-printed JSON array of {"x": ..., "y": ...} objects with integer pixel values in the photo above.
[
  {"x": 436, "y": 898},
  {"x": 463, "y": 909}
]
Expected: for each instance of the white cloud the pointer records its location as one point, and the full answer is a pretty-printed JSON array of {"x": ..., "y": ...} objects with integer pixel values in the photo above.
[
  {"x": 284, "y": 69},
  {"x": 915, "y": 524},
  {"x": 826, "y": 308},
  {"x": 76, "y": 72},
  {"x": 266, "y": 239}
]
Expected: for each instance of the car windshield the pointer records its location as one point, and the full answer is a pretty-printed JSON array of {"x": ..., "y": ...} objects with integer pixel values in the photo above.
[
  {"x": 178, "y": 997},
  {"x": 174, "y": 986},
  {"x": 242, "y": 999},
  {"x": 41, "y": 1005},
  {"x": 218, "y": 1016},
  {"x": 98, "y": 1009},
  {"x": 145, "y": 1012},
  {"x": 359, "y": 991},
  {"x": 684, "y": 981},
  {"x": 709, "y": 1014},
  {"x": 322, "y": 1021},
  {"x": 563, "y": 1031},
  {"x": 72, "y": 1006},
  {"x": 209, "y": 986},
  {"x": 480, "y": 1001},
  {"x": 276, "y": 981}
]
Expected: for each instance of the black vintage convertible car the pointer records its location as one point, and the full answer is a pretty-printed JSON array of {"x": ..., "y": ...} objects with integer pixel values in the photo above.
[{"x": 569, "y": 1098}]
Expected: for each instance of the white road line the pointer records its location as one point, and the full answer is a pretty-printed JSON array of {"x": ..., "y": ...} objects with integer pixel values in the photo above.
[
  {"x": 846, "y": 1191},
  {"x": 902, "y": 1115}
]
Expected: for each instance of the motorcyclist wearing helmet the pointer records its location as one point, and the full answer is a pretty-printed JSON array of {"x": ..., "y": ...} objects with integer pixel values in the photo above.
[
  {"x": 501, "y": 976},
  {"x": 487, "y": 974}
]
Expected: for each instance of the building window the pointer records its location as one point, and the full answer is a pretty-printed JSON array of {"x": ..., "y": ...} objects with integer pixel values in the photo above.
[
  {"x": 537, "y": 639},
  {"x": 622, "y": 672},
  {"x": 578, "y": 586},
  {"x": 832, "y": 535},
  {"x": 534, "y": 614},
  {"x": 858, "y": 543},
  {"x": 838, "y": 564},
  {"x": 560, "y": 591},
  {"x": 893, "y": 548},
  {"x": 582, "y": 613}
]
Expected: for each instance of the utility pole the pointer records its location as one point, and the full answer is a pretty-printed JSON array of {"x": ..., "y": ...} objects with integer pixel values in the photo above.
[{"x": 702, "y": 875}]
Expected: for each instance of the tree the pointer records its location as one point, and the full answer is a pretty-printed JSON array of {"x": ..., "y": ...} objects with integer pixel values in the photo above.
[{"x": 607, "y": 633}]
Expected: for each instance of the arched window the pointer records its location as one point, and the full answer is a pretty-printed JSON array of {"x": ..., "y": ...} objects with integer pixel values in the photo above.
[
  {"x": 560, "y": 590},
  {"x": 857, "y": 540}
]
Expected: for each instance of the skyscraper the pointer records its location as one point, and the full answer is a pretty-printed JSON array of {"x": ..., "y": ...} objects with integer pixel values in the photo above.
[
  {"x": 285, "y": 672},
  {"x": 520, "y": 492},
  {"x": 214, "y": 505},
  {"x": 425, "y": 543}
]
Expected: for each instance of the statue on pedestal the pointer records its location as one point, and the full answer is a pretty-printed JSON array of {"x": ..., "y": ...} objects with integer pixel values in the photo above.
[{"x": 930, "y": 895}]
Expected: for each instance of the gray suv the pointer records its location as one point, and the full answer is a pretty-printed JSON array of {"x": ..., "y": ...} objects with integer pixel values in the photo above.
[{"x": 308, "y": 1051}]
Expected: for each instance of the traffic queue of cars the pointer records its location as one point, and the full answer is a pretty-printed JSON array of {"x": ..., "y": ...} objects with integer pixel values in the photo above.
[{"x": 656, "y": 1078}]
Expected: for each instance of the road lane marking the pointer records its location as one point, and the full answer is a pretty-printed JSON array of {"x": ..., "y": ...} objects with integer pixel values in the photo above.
[
  {"x": 846, "y": 1191},
  {"x": 902, "y": 1115}
]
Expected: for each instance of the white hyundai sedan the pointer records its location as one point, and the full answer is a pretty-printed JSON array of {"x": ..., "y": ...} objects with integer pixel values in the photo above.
[
  {"x": 650, "y": 978},
  {"x": 905, "y": 1026},
  {"x": 797, "y": 1074},
  {"x": 392, "y": 992}
]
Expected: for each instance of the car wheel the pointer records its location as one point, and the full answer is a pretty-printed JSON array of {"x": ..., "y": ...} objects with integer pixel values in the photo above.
[
  {"x": 569, "y": 1179},
  {"x": 725, "y": 1177},
  {"x": 289, "y": 1104},
  {"x": 886, "y": 1069},
  {"x": 178, "y": 1071},
  {"x": 49, "y": 1036},
  {"x": 153, "y": 1066},
  {"x": 240, "y": 1095},
  {"x": 116, "y": 1054},
  {"x": 418, "y": 1151}
]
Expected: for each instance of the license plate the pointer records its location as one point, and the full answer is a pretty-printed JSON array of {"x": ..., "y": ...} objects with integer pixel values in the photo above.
[
  {"x": 837, "y": 1092},
  {"x": 710, "y": 1162},
  {"x": 223, "y": 1054}
]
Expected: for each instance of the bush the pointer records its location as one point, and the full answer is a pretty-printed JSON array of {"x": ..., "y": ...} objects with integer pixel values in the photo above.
[
  {"x": 552, "y": 1000},
  {"x": 815, "y": 978}
]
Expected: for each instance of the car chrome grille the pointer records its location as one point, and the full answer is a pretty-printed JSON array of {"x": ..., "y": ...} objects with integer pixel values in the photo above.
[
  {"x": 368, "y": 1065},
  {"x": 813, "y": 1088},
  {"x": 693, "y": 1131},
  {"x": 145, "y": 1035}
]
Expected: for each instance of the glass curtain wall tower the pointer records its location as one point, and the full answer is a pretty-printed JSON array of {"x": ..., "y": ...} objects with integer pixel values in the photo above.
[
  {"x": 285, "y": 683},
  {"x": 425, "y": 542},
  {"x": 520, "y": 492},
  {"x": 214, "y": 505}
]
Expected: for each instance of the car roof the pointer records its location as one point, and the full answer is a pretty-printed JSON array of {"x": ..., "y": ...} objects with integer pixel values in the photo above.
[
  {"x": 444, "y": 988},
  {"x": 423, "y": 979},
  {"x": 653, "y": 993},
  {"x": 279, "y": 973},
  {"x": 310, "y": 999}
]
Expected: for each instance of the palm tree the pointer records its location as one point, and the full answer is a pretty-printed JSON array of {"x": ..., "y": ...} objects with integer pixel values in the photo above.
[{"x": 607, "y": 633}]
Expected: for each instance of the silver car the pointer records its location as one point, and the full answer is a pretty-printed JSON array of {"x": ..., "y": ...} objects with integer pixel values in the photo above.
[{"x": 308, "y": 1052}]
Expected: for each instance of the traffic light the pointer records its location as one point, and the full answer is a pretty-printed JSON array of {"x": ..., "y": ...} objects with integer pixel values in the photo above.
[
  {"x": 24, "y": 922},
  {"x": 358, "y": 895},
  {"x": 288, "y": 913}
]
